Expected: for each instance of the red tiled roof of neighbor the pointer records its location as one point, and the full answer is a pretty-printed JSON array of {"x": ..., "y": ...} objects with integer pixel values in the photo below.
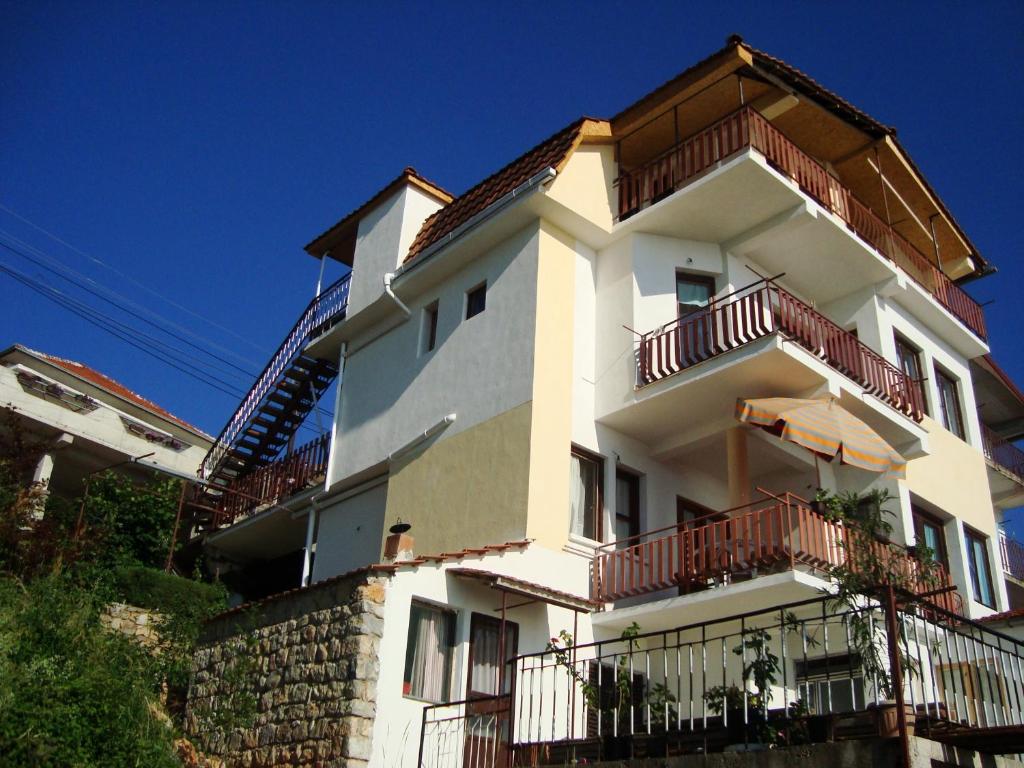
[
  {"x": 110, "y": 385},
  {"x": 550, "y": 153}
]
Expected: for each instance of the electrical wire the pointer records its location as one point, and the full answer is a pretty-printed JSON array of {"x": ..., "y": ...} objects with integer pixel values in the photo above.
[
  {"x": 131, "y": 279},
  {"x": 39, "y": 258}
]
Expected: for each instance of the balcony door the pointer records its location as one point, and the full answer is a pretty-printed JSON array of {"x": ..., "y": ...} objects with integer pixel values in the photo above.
[
  {"x": 696, "y": 327},
  {"x": 486, "y": 738}
]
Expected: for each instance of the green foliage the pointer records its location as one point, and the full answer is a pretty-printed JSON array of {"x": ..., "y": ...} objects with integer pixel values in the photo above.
[
  {"x": 720, "y": 698},
  {"x": 72, "y": 694}
]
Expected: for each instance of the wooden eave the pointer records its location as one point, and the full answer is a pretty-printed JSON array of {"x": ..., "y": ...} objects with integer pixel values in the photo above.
[{"x": 339, "y": 241}]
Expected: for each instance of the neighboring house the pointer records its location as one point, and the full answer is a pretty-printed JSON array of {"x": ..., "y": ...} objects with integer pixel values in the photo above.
[
  {"x": 87, "y": 422},
  {"x": 540, "y": 376}
]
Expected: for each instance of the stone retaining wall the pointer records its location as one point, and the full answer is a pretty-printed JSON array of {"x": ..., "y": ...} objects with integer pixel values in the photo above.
[
  {"x": 309, "y": 658},
  {"x": 139, "y": 624}
]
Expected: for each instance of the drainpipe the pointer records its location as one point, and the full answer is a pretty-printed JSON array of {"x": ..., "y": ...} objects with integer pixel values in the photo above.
[
  {"x": 421, "y": 438},
  {"x": 388, "y": 277},
  {"x": 307, "y": 555}
]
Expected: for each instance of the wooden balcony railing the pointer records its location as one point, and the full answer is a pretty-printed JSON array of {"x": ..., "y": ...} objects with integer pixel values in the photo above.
[
  {"x": 758, "y": 311},
  {"x": 274, "y": 482},
  {"x": 1012, "y": 552},
  {"x": 749, "y": 129},
  {"x": 783, "y": 533},
  {"x": 1003, "y": 453}
]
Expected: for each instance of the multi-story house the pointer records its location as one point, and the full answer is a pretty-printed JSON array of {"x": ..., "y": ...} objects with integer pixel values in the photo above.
[
  {"x": 536, "y": 429},
  {"x": 84, "y": 421}
]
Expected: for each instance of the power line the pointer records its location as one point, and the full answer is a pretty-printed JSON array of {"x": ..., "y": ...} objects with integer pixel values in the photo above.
[
  {"x": 133, "y": 337},
  {"x": 86, "y": 283},
  {"x": 141, "y": 285},
  {"x": 63, "y": 301}
]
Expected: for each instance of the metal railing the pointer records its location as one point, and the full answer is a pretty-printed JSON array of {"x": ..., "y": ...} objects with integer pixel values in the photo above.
[
  {"x": 1012, "y": 552},
  {"x": 274, "y": 482},
  {"x": 777, "y": 534},
  {"x": 320, "y": 313},
  {"x": 747, "y": 128},
  {"x": 780, "y": 674},
  {"x": 472, "y": 733},
  {"x": 1002, "y": 452},
  {"x": 759, "y": 310}
]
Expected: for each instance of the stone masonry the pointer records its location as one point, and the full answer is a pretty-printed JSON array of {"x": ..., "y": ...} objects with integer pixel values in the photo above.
[
  {"x": 310, "y": 659},
  {"x": 139, "y": 624}
]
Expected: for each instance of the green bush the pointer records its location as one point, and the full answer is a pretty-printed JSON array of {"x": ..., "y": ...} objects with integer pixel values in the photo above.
[{"x": 72, "y": 694}]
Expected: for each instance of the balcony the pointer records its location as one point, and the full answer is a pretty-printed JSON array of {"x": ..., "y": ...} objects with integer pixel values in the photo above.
[
  {"x": 272, "y": 484},
  {"x": 761, "y": 310},
  {"x": 690, "y": 690},
  {"x": 1003, "y": 454},
  {"x": 1012, "y": 552},
  {"x": 780, "y": 534},
  {"x": 747, "y": 129}
]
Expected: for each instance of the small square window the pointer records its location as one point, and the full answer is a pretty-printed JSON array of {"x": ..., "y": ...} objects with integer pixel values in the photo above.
[
  {"x": 476, "y": 300},
  {"x": 429, "y": 334}
]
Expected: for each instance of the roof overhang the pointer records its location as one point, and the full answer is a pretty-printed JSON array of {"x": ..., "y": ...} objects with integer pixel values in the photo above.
[{"x": 526, "y": 589}]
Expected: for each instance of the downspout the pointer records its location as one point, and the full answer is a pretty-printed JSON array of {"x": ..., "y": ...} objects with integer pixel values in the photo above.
[
  {"x": 421, "y": 438},
  {"x": 314, "y": 512},
  {"x": 388, "y": 277},
  {"x": 307, "y": 554}
]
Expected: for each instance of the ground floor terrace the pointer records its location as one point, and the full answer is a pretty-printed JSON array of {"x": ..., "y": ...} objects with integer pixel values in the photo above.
[{"x": 817, "y": 671}]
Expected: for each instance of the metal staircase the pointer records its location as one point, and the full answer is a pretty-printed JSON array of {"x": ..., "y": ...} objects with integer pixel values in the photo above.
[{"x": 265, "y": 422}]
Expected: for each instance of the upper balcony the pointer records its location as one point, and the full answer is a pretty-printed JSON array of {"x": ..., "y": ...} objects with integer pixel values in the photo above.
[
  {"x": 1006, "y": 467},
  {"x": 690, "y": 160},
  {"x": 761, "y": 310}
]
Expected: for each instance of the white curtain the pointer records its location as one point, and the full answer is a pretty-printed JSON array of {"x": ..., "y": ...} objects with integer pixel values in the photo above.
[
  {"x": 577, "y": 497},
  {"x": 430, "y": 657},
  {"x": 485, "y": 660}
]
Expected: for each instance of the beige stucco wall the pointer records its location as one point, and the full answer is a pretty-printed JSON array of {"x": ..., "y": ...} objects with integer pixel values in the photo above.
[
  {"x": 551, "y": 433},
  {"x": 467, "y": 490},
  {"x": 953, "y": 477},
  {"x": 586, "y": 184}
]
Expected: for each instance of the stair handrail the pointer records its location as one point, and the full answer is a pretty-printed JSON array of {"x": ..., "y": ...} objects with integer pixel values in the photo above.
[{"x": 309, "y": 321}]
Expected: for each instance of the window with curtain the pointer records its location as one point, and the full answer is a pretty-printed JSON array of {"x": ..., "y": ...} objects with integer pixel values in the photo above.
[
  {"x": 928, "y": 530},
  {"x": 484, "y": 655},
  {"x": 981, "y": 573},
  {"x": 909, "y": 358},
  {"x": 693, "y": 292},
  {"x": 949, "y": 403},
  {"x": 627, "y": 505},
  {"x": 428, "y": 653},
  {"x": 586, "y": 477}
]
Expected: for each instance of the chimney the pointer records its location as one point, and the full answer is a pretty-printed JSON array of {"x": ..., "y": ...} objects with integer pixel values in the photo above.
[{"x": 398, "y": 546}]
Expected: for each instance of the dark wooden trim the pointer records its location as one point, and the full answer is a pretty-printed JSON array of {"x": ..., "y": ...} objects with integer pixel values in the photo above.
[
  {"x": 927, "y": 518},
  {"x": 511, "y": 647},
  {"x": 633, "y": 513},
  {"x": 697, "y": 279},
  {"x": 598, "y": 459},
  {"x": 969, "y": 534}
]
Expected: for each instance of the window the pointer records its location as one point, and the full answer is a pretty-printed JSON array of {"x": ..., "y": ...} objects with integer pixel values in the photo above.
[
  {"x": 485, "y": 653},
  {"x": 831, "y": 684},
  {"x": 627, "y": 505},
  {"x": 428, "y": 653},
  {"x": 586, "y": 478},
  {"x": 981, "y": 573},
  {"x": 693, "y": 292},
  {"x": 929, "y": 532},
  {"x": 949, "y": 403},
  {"x": 909, "y": 359},
  {"x": 476, "y": 300},
  {"x": 430, "y": 327}
]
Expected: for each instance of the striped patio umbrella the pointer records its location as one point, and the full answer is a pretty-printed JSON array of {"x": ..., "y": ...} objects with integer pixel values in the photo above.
[{"x": 824, "y": 427}]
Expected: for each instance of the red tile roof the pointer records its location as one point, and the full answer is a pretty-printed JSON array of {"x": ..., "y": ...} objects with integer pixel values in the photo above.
[
  {"x": 553, "y": 152},
  {"x": 108, "y": 384},
  {"x": 567, "y": 599},
  {"x": 380, "y": 569},
  {"x": 1015, "y": 613}
]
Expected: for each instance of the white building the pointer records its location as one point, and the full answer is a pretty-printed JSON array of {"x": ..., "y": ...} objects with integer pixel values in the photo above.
[
  {"x": 541, "y": 377},
  {"x": 89, "y": 422}
]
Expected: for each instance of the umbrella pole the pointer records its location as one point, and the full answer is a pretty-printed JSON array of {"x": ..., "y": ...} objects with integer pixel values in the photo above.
[{"x": 817, "y": 469}]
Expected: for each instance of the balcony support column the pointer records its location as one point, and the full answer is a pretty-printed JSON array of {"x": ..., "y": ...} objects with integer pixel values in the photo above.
[{"x": 738, "y": 465}]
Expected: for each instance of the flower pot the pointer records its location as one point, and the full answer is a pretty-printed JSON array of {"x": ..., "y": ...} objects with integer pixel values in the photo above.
[{"x": 887, "y": 719}]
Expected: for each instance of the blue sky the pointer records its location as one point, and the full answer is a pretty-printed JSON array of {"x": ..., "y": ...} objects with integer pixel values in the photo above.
[{"x": 194, "y": 147}]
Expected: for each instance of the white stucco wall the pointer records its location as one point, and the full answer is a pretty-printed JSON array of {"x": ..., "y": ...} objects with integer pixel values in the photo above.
[
  {"x": 383, "y": 240},
  {"x": 481, "y": 367},
  {"x": 350, "y": 532}
]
